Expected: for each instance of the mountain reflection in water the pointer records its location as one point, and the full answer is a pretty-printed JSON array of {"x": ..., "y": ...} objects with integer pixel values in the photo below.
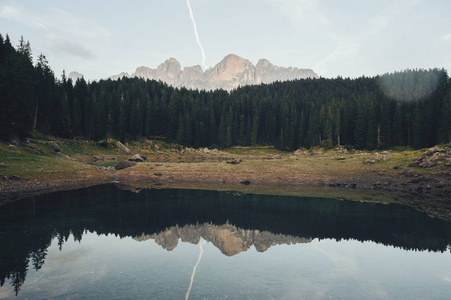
[
  {"x": 229, "y": 239},
  {"x": 233, "y": 224}
]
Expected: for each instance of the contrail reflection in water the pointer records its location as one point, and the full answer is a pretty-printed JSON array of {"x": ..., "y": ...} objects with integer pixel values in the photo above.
[{"x": 194, "y": 270}]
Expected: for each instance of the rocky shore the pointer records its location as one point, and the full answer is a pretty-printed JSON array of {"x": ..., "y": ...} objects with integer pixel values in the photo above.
[{"x": 421, "y": 178}]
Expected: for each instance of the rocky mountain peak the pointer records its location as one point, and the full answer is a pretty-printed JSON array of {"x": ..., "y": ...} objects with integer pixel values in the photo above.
[
  {"x": 232, "y": 71},
  {"x": 263, "y": 63},
  {"x": 74, "y": 76},
  {"x": 119, "y": 76},
  {"x": 170, "y": 70}
]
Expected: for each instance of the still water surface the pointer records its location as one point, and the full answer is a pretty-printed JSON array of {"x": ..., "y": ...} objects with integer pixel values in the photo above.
[{"x": 105, "y": 243}]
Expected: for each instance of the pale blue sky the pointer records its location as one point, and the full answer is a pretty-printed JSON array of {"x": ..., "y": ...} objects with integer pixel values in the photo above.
[{"x": 334, "y": 38}]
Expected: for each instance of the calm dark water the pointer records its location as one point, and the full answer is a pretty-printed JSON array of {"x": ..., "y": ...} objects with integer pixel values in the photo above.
[{"x": 108, "y": 243}]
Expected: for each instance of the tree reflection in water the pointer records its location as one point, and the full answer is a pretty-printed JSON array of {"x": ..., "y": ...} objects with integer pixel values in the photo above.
[{"x": 233, "y": 224}]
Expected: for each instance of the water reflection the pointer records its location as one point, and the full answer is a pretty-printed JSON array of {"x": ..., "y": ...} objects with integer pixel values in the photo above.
[
  {"x": 229, "y": 239},
  {"x": 232, "y": 224}
]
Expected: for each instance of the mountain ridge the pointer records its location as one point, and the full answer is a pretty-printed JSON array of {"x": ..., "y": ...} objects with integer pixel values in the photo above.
[{"x": 230, "y": 73}]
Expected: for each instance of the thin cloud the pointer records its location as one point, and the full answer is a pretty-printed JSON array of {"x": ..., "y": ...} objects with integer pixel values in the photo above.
[
  {"x": 66, "y": 23},
  {"x": 72, "y": 48},
  {"x": 343, "y": 53},
  {"x": 9, "y": 12},
  {"x": 19, "y": 15},
  {"x": 57, "y": 24},
  {"x": 301, "y": 12}
]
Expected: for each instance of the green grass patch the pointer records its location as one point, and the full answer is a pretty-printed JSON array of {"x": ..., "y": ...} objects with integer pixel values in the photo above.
[{"x": 257, "y": 150}]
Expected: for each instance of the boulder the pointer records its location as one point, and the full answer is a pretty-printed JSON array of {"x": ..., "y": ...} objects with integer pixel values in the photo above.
[
  {"x": 137, "y": 158},
  {"x": 428, "y": 164},
  {"x": 381, "y": 157},
  {"x": 433, "y": 150},
  {"x": 341, "y": 149},
  {"x": 298, "y": 152},
  {"x": 123, "y": 164},
  {"x": 234, "y": 161},
  {"x": 2, "y": 165},
  {"x": 15, "y": 141},
  {"x": 448, "y": 162},
  {"x": 317, "y": 152},
  {"x": 369, "y": 162},
  {"x": 54, "y": 146},
  {"x": 417, "y": 161},
  {"x": 122, "y": 148},
  {"x": 409, "y": 173}
]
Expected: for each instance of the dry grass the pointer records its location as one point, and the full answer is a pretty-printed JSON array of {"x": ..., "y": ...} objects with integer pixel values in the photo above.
[
  {"x": 270, "y": 171},
  {"x": 289, "y": 169}
]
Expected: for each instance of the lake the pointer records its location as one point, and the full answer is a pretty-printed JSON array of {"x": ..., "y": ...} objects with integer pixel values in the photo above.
[{"x": 113, "y": 241}]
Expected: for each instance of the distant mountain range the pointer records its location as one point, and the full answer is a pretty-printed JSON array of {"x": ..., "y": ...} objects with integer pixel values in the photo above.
[{"x": 231, "y": 72}]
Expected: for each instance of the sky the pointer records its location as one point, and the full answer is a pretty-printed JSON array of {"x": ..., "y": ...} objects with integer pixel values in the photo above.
[{"x": 334, "y": 38}]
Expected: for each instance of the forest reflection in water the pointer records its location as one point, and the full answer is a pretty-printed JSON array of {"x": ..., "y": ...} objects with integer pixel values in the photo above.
[{"x": 126, "y": 235}]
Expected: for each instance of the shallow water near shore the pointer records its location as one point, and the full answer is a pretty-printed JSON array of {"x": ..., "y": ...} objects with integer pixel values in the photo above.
[{"x": 103, "y": 242}]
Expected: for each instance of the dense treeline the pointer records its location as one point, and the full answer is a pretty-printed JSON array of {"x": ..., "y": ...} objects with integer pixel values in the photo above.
[{"x": 409, "y": 108}]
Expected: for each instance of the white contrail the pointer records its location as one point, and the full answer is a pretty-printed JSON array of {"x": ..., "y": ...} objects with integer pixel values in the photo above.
[
  {"x": 194, "y": 270},
  {"x": 197, "y": 35}
]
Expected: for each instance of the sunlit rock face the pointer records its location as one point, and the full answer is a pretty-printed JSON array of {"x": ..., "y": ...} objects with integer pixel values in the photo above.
[
  {"x": 229, "y": 239},
  {"x": 266, "y": 72},
  {"x": 193, "y": 78},
  {"x": 145, "y": 72},
  {"x": 230, "y": 73},
  {"x": 169, "y": 71}
]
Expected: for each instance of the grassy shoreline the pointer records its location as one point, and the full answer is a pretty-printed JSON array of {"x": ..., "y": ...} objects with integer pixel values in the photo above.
[{"x": 35, "y": 167}]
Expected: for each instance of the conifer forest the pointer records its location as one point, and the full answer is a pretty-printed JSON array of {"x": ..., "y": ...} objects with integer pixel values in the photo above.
[{"x": 408, "y": 108}]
